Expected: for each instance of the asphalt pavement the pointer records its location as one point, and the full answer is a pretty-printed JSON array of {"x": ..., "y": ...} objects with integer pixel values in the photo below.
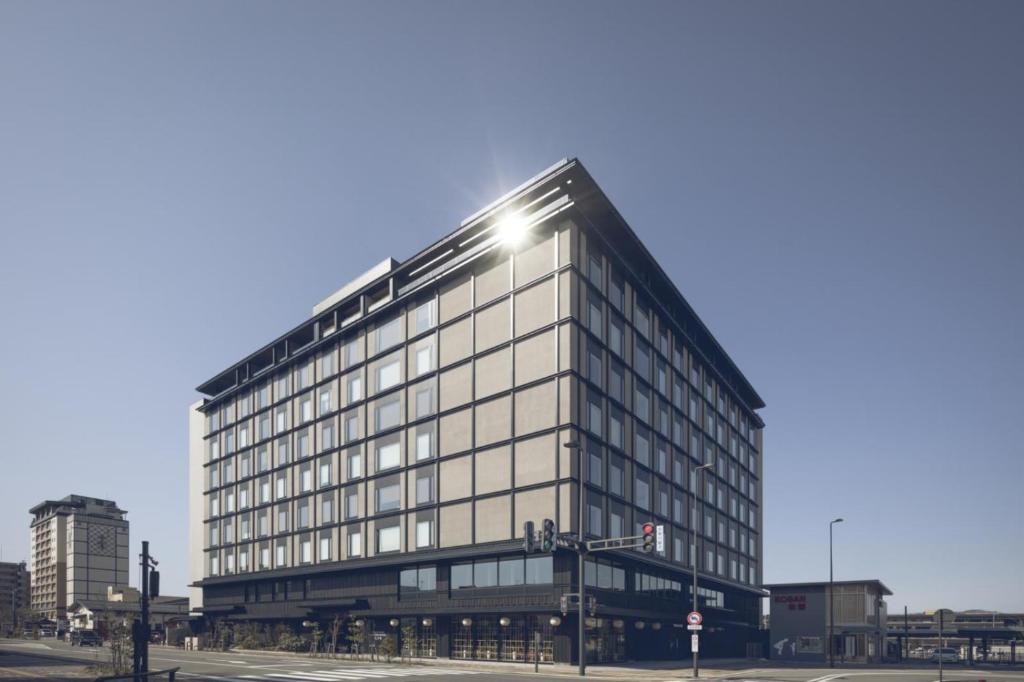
[{"x": 57, "y": 660}]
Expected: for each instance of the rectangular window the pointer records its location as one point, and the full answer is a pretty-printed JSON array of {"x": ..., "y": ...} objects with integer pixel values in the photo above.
[
  {"x": 461, "y": 576},
  {"x": 351, "y": 505},
  {"x": 426, "y": 316},
  {"x": 305, "y": 479},
  {"x": 355, "y": 544},
  {"x": 424, "y": 534},
  {"x": 594, "y": 320},
  {"x": 389, "y": 375},
  {"x": 302, "y": 445},
  {"x": 615, "y": 335},
  {"x": 616, "y": 524},
  {"x": 388, "y": 413},
  {"x": 327, "y": 510},
  {"x": 642, "y": 360},
  {"x": 351, "y": 427},
  {"x": 616, "y": 427},
  {"x": 388, "y": 497},
  {"x": 389, "y": 455},
  {"x": 594, "y": 367},
  {"x": 485, "y": 573},
  {"x": 355, "y": 388},
  {"x": 642, "y": 497},
  {"x": 424, "y": 488},
  {"x": 539, "y": 570},
  {"x": 616, "y": 381},
  {"x": 424, "y": 360},
  {"x": 325, "y": 401},
  {"x": 512, "y": 571},
  {"x": 642, "y": 446},
  {"x": 281, "y": 554},
  {"x": 305, "y": 410},
  {"x": 616, "y": 287},
  {"x": 325, "y": 472},
  {"x": 424, "y": 401},
  {"x": 303, "y": 514},
  {"x": 325, "y": 547},
  {"x": 389, "y": 334},
  {"x": 595, "y": 465},
  {"x": 355, "y": 465},
  {"x": 594, "y": 416},
  {"x": 389, "y": 539},
  {"x": 350, "y": 353},
  {"x": 616, "y": 476},
  {"x": 642, "y": 404},
  {"x": 424, "y": 444}
]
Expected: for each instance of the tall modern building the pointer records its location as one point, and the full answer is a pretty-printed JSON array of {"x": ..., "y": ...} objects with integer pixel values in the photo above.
[
  {"x": 379, "y": 461},
  {"x": 79, "y": 548}
]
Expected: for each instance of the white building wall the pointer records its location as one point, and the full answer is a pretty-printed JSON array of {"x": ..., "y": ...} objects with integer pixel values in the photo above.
[{"x": 196, "y": 563}]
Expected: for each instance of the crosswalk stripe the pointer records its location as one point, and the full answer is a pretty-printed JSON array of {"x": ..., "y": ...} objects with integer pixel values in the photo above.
[{"x": 312, "y": 676}]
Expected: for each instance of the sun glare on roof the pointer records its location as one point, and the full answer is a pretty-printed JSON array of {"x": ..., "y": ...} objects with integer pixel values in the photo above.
[{"x": 512, "y": 229}]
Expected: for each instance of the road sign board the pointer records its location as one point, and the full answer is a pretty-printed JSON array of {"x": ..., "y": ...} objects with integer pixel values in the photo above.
[
  {"x": 694, "y": 618},
  {"x": 694, "y": 643},
  {"x": 694, "y": 627},
  {"x": 659, "y": 538}
]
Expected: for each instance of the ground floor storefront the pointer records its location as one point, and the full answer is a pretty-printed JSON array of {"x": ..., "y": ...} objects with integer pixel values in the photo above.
[{"x": 504, "y": 608}]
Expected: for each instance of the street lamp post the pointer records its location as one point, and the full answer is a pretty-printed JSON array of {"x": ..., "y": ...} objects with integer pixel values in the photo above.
[
  {"x": 580, "y": 547},
  {"x": 698, "y": 479},
  {"x": 831, "y": 600}
]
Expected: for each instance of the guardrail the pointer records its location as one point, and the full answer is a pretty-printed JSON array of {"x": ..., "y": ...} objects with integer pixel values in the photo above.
[{"x": 141, "y": 677}]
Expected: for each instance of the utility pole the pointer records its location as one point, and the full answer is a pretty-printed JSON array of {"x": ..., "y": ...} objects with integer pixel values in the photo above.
[
  {"x": 831, "y": 601},
  {"x": 150, "y": 579},
  {"x": 580, "y": 550},
  {"x": 699, "y": 480},
  {"x": 941, "y": 614}
]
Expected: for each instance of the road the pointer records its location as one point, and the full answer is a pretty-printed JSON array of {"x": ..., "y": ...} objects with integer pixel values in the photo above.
[{"x": 212, "y": 666}]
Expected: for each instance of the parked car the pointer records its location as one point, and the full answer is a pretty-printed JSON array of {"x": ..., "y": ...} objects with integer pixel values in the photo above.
[
  {"x": 946, "y": 655},
  {"x": 85, "y": 638}
]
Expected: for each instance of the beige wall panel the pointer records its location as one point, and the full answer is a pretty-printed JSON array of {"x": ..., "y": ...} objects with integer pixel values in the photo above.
[
  {"x": 566, "y": 513},
  {"x": 494, "y": 519},
  {"x": 456, "y": 342},
  {"x": 535, "y": 460},
  {"x": 492, "y": 281},
  {"x": 493, "y": 373},
  {"x": 566, "y": 295},
  {"x": 536, "y": 408},
  {"x": 567, "y": 335},
  {"x": 567, "y": 234},
  {"x": 535, "y": 505},
  {"x": 535, "y": 307},
  {"x": 455, "y": 525},
  {"x": 535, "y": 357},
  {"x": 493, "y": 421},
  {"x": 567, "y": 399},
  {"x": 493, "y": 470},
  {"x": 493, "y": 326},
  {"x": 456, "y": 478},
  {"x": 566, "y": 455},
  {"x": 456, "y": 298},
  {"x": 535, "y": 259},
  {"x": 456, "y": 432},
  {"x": 456, "y": 386}
]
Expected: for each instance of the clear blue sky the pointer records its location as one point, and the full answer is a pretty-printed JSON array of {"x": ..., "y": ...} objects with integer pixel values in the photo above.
[{"x": 837, "y": 188}]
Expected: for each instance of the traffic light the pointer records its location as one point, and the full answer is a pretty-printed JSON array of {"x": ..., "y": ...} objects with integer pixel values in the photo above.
[
  {"x": 529, "y": 544},
  {"x": 154, "y": 584},
  {"x": 548, "y": 540},
  {"x": 648, "y": 537}
]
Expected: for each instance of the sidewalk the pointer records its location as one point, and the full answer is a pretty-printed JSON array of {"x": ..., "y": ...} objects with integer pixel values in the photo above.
[{"x": 640, "y": 670}]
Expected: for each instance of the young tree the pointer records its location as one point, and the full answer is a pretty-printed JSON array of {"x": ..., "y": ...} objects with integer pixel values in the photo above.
[
  {"x": 335, "y": 633},
  {"x": 408, "y": 640},
  {"x": 355, "y": 636}
]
